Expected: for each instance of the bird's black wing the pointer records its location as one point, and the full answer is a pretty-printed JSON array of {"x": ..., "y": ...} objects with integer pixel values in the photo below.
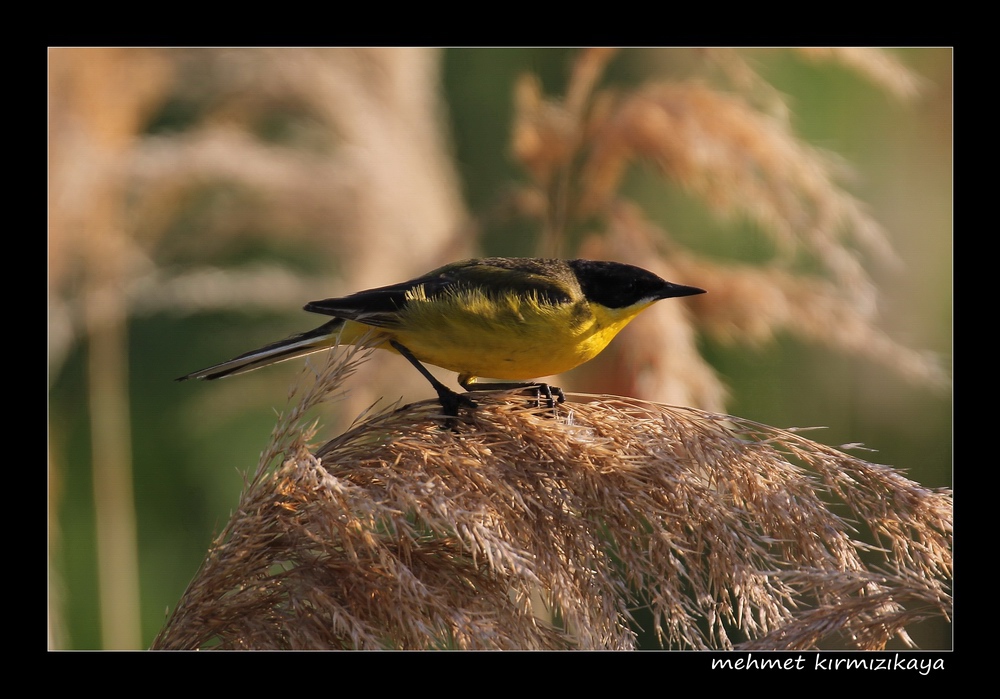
[
  {"x": 491, "y": 276},
  {"x": 377, "y": 307}
]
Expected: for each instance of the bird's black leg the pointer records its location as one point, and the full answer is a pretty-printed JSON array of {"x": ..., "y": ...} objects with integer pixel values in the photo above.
[
  {"x": 553, "y": 394},
  {"x": 449, "y": 399}
]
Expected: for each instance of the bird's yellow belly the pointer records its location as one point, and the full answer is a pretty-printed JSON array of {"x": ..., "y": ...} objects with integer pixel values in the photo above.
[
  {"x": 500, "y": 356},
  {"x": 510, "y": 344}
]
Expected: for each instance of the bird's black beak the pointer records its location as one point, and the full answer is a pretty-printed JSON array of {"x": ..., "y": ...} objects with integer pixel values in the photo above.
[{"x": 671, "y": 290}]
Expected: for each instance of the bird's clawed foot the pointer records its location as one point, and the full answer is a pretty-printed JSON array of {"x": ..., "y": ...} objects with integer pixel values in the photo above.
[
  {"x": 544, "y": 394},
  {"x": 547, "y": 396},
  {"x": 452, "y": 401}
]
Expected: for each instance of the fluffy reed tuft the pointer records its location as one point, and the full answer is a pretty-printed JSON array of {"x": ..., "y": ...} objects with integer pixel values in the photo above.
[
  {"x": 730, "y": 146},
  {"x": 404, "y": 532}
]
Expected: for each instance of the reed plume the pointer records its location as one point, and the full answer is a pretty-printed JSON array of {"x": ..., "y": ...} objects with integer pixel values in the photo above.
[{"x": 519, "y": 527}]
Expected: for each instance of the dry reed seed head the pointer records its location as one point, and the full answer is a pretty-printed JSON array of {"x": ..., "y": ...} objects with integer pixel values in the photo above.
[
  {"x": 279, "y": 188},
  {"x": 747, "y": 81},
  {"x": 401, "y": 534},
  {"x": 587, "y": 70},
  {"x": 879, "y": 66},
  {"x": 739, "y": 161},
  {"x": 544, "y": 134},
  {"x": 753, "y": 304}
]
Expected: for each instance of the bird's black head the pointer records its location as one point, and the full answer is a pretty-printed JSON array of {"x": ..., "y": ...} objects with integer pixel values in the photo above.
[{"x": 617, "y": 285}]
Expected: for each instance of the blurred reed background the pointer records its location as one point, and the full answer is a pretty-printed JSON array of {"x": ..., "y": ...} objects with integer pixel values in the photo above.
[{"x": 198, "y": 197}]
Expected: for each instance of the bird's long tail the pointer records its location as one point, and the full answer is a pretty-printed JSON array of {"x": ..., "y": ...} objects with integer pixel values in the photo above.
[{"x": 321, "y": 338}]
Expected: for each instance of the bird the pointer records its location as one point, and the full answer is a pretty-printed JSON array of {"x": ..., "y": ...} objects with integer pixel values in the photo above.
[{"x": 506, "y": 318}]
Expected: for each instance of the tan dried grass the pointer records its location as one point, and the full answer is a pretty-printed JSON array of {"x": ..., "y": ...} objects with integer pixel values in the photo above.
[
  {"x": 730, "y": 145},
  {"x": 409, "y": 532}
]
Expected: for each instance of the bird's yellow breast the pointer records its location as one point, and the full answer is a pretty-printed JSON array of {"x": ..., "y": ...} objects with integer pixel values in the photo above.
[{"x": 510, "y": 338}]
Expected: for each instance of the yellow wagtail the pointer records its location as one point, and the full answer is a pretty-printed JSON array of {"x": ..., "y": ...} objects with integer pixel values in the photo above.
[{"x": 497, "y": 317}]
